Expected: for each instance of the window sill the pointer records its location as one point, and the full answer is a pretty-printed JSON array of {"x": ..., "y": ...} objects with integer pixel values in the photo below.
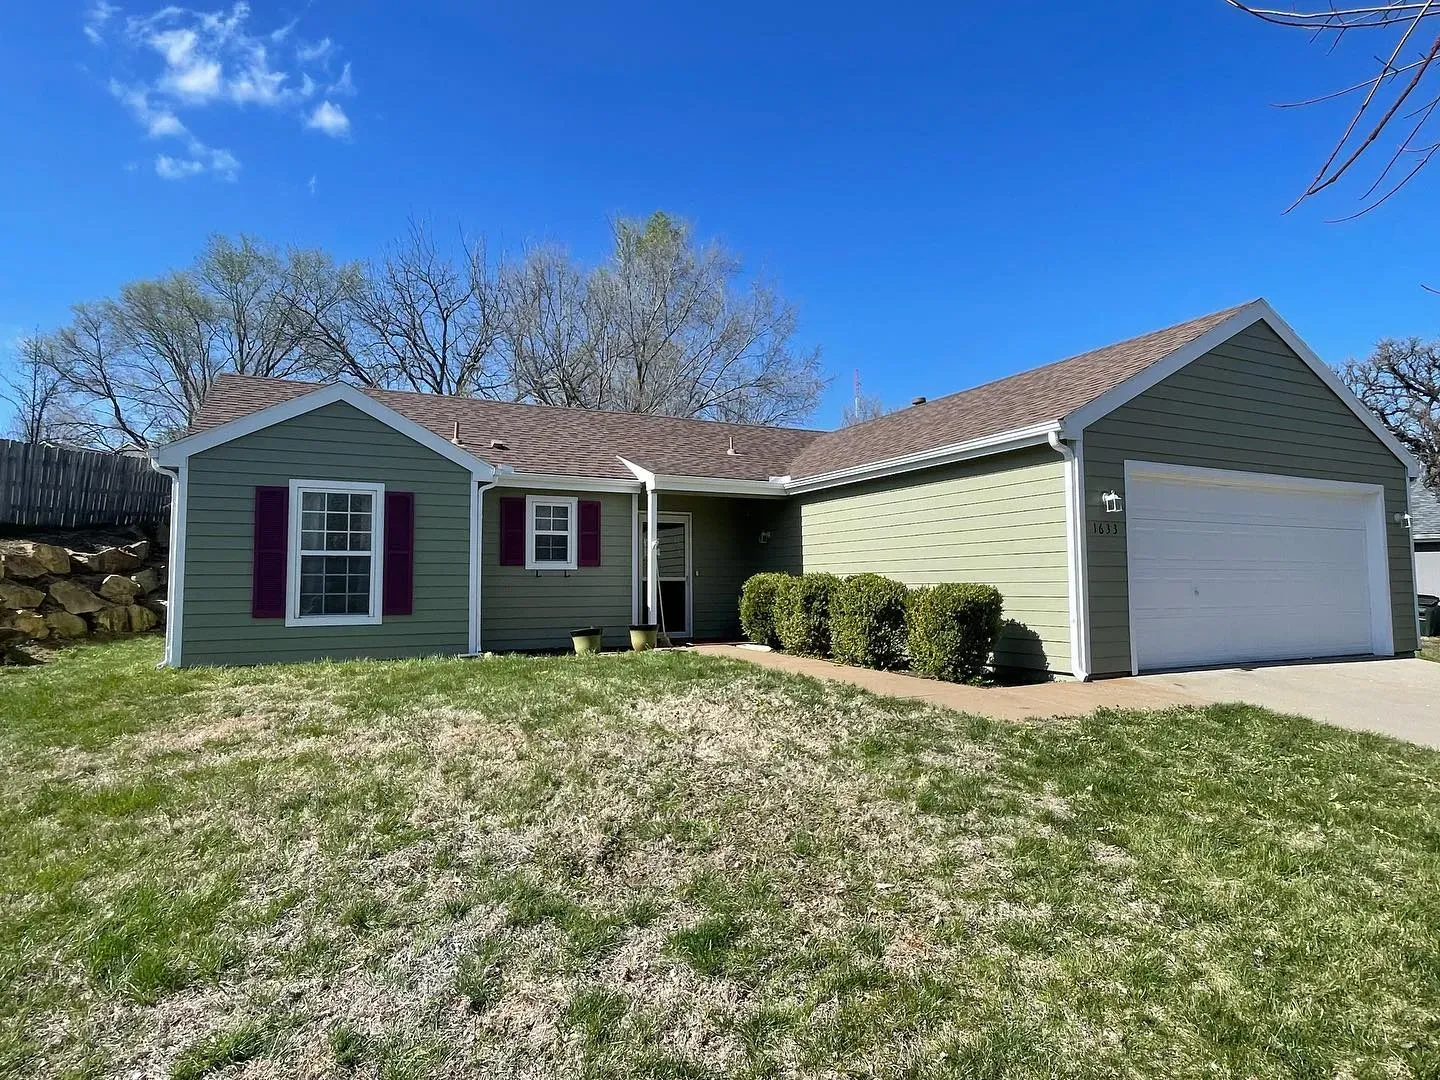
[
  {"x": 332, "y": 620},
  {"x": 550, "y": 566}
]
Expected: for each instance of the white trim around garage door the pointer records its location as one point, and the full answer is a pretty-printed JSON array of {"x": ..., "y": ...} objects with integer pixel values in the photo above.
[{"x": 1382, "y": 631}]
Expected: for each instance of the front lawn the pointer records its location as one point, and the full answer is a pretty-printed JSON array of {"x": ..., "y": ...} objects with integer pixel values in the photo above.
[{"x": 667, "y": 865}]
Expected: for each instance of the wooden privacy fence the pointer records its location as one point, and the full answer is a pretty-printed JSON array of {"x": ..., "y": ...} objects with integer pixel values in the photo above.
[{"x": 53, "y": 487}]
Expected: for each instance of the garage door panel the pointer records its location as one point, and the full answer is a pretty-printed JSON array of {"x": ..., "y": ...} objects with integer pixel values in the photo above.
[{"x": 1240, "y": 570}]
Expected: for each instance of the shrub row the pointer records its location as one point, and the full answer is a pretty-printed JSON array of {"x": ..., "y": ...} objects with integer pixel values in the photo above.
[{"x": 943, "y": 631}]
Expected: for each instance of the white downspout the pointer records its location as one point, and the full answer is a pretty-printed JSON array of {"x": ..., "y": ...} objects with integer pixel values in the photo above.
[
  {"x": 1075, "y": 557},
  {"x": 175, "y": 557},
  {"x": 652, "y": 553}
]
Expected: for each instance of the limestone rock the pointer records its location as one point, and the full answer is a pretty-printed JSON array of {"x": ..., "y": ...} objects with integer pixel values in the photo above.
[
  {"x": 147, "y": 580},
  {"x": 54, "y": 559},
  {"x": 117, "y": 589},
  {"x": 75, "y": 598},
  {"x": 15, "y": 595},
  {"x": 114, "y": 619},
  {"x": 140, "y": 618},
  {"x": 64, "y": 625},
  {"x": 109, "y": 561},
  {"x": 159, "y": 608},
  {"x": 29, "y": 624},
  {"x": 140, "y": 549},
  {"x": 22, "y": 566}
]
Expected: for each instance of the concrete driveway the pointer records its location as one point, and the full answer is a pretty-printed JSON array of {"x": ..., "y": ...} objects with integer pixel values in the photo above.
[{"x": 1400, "y": 698}]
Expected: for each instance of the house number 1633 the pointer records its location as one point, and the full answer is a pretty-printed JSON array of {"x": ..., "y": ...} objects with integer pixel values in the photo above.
[{"x": 1105, "y": 528}]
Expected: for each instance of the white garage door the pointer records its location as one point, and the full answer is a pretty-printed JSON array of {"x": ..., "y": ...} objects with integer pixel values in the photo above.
[{"x": 1227, "y": 567}]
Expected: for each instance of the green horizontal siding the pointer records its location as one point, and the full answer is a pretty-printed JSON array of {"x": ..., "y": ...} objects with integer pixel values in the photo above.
[
  {"x": 998, "y": 521},
  {"x": 528, "y": 609},
  {"x": 336, "y": 442},
  {"x": 1249, "y": 405}
]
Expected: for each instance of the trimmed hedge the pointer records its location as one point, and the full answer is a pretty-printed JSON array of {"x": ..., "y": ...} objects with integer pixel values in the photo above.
[
  {"x": 802, "y": 613},
  {"x": 952, "y": 630},
  {"x": 757, "y": 608},
  {"x": 867, "y": 622}
]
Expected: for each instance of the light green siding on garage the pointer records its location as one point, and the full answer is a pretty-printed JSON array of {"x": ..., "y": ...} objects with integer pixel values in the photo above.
[
  {"x": 335, "y": 442},
  {"x": 1249, "y": 405},
  {"x": 999, "y": 521},
  {"x": 529, "y": 609}
]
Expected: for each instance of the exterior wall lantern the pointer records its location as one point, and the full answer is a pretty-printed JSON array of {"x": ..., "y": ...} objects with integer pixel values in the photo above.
[{"x": 1112, "y": 502}]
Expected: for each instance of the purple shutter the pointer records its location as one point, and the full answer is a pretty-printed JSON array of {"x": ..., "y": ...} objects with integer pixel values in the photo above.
[
  {"x": 271, "y": 557},
  {"x": 589, "y": 532},
  {"x": 398, "y": 592},
  {"x": 512, "y": 532}
]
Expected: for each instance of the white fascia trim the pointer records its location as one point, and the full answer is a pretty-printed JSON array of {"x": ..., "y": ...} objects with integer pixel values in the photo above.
[
  {"x": 505, "y": 477},
  {"x": 182, "y": 449},
  {"x": 925, "y": 459},
  {"x": 645, "y": 476},
  {"x": 1256, "y": 311},
  {"x": 705, "y": 485}
]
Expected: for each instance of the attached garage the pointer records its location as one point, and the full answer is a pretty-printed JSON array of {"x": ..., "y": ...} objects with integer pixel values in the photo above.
[
  {"x": 1255, "y": 512},
  {"x": 1229, "y": 566}
]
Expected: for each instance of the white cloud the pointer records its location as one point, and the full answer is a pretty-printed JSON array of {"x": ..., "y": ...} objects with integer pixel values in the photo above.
[
  {"x": 344, "y": 84},
  {"x": 169, "y": 168},
  {"x": 95, "y": 20},
  {"x": 200, "y": 60},
  {"x": 308, "y": 54},
  {"x": 312, "y": 184},
  {"x": 331, "y": 119}
]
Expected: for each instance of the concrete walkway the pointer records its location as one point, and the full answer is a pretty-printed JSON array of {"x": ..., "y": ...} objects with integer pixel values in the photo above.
[
  {"x": 1399, "y": 698},
  {"x": 1001, "y": 702}
]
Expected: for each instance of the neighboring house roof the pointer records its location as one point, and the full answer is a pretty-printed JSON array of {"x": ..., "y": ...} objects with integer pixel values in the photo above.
[
  {"x": 548, "y": 439},
  {"x": 1031, "y": 397},
  {"x": 1424, "y": 512},
  {"x": 1025, "y": 408}
]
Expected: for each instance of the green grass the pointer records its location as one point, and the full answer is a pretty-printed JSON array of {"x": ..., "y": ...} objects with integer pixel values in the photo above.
[{"x": 667, "y": 865}]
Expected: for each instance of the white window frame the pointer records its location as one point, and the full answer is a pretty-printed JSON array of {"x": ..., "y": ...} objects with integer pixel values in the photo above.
[
  {"x": 531, "y": 502},
  {"x": 377, "y": 553}
]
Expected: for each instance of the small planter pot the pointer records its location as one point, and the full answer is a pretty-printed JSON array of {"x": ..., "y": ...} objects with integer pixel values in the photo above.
[
  {"x": 642, "y": 637},
  {"x": 586, "y": 639}
]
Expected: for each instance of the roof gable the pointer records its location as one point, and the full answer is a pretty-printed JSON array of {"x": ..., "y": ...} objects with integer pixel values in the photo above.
[{"x": 307, "y": 398}]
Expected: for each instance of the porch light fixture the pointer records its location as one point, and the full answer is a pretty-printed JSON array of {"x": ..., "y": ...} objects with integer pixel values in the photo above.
[
  {"x": 765, "y": 537},
  {"x": 1112, "y": 502}
]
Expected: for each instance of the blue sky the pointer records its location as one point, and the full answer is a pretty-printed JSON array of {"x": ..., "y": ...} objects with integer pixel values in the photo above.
[{"x": 948, "y": 193}]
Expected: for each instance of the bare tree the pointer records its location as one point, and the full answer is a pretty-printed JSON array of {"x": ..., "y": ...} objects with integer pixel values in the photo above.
[
  {"x": 422, "y": 319},
  {"x": 43, "y": 410},
  {"x": 1400, "y": 93},
  {"x": 1400, "y": 382},
  {"x": 663, "y": 326},
  {"x": 140, "y": 364}
]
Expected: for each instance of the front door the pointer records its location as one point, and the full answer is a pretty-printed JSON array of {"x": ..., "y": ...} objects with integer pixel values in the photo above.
[{"x": 674, "y": 578}]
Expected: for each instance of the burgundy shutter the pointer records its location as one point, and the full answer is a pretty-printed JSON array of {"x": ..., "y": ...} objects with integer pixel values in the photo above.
[
  {"x": 271, "y": 557},
  {"x": 589, "y": 532},
  {"x": 512, "y": 532},
  {"x": 398, "y": 591}
]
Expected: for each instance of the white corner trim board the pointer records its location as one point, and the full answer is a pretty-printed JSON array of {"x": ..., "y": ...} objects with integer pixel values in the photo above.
[
  {"x": 175, "y": 573},
  {"x": 1256, "y": 311},
  {"x": 1071, "y": 473},
  {"x": 180, "y": 450}
]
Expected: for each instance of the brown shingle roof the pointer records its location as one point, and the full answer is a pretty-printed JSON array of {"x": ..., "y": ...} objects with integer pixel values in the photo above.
[
  {"x": 581, "y": 442},
  {"x": 1037, "y": 396},
  {"x": 547, "y": 439}
]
